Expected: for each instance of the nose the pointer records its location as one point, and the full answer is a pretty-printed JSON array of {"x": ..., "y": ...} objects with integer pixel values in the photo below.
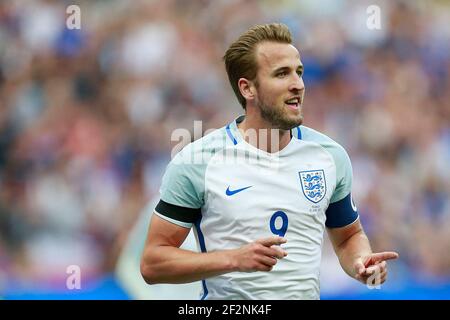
[{"x": 297, "y": 84}]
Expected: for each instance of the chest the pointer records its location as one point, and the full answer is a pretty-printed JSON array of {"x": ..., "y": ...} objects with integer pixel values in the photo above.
[{"x": 269, "y": 194}]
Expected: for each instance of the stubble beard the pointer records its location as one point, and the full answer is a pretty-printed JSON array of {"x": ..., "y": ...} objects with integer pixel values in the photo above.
[{"x": 278, "y": 117}]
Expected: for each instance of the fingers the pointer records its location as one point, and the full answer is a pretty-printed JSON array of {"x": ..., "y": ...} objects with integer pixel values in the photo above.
[
  {"x": 273, "y": 251},
  {"x": 259, "y": 256},
  {"x": 383, "y": 276},
  {"x": 374, "y": 275},
  {"x": 372, "y": 280},
  {"x": 359, "y": 268},
  {"x": 376, "y": 268},
  {"x": 268, "y": 261},
  {"x": 263, "y": 267},
  {"x": 280, "y": 253},
  {"x": 381, "y": 256},
  {"x": 264, "y": 263},
  {"x": 266, "y": 253},
  {"x": 268, "y": 242}
]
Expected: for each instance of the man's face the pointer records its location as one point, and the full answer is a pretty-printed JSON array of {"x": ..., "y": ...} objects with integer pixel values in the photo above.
[{"x": 280, "y": 87}]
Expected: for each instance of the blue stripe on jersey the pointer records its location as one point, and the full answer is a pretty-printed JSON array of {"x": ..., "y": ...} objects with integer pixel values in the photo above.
[
  {"x": 201, "y": 241},
  {"x": 231, "y": 135},
  {"x": 341, "y": 213},
  {"x": 299, "y": 133},
  {"x": 205, "y": 290}
]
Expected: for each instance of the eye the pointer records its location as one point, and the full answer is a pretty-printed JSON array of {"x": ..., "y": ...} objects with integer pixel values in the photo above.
[
  {"x": 300, "y": 73},
  {"x": 281, "y": 74}
]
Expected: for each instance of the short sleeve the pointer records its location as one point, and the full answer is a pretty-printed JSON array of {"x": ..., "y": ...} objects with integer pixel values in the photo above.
[
  {"x": 182, "y": 190},
  {"x": 183, "y": 182},
  {"x": 344, "y": 174},
  {"x": 342, "y": 210}
]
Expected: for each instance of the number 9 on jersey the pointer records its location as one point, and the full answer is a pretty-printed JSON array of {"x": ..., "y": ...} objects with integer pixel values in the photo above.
[{"x": 284, "y": 225}]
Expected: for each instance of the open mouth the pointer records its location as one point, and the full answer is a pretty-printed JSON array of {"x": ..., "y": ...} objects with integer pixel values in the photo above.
[{"x": 293, "y": 103}]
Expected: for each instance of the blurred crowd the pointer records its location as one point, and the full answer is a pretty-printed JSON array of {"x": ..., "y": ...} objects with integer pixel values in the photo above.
[{"x": 86, "y": 117}]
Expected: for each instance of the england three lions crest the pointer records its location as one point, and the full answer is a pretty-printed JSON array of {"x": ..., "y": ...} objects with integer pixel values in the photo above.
[{"x": 313, "y": 184}]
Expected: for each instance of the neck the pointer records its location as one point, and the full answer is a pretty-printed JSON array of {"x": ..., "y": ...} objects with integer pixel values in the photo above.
[{"x": 261, "y": 134}]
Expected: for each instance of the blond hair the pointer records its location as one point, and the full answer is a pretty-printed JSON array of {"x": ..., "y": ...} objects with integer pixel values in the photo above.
[{"x": 240, "y": 60}]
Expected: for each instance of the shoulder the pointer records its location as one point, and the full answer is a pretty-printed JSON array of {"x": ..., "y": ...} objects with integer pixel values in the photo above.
[
  {"x": 183, "y": 182},
  {"x": 337, "y": 151},
  {"x": 200, "y": 151}
]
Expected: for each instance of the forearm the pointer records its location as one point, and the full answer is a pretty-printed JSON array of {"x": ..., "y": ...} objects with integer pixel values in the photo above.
[
  {"x": 355, "y": 247},
  {"x": 166, "y": 264}
]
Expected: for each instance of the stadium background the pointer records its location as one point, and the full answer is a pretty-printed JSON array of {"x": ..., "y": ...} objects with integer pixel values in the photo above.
[{"x": 86, "y": 118}]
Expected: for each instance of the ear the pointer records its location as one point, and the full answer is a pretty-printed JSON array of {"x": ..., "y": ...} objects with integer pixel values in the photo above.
[{"x": 247, "y": 88}]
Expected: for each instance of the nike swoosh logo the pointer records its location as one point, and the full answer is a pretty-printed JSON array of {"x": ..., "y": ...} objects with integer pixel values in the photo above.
[{"x": 231, "y": 192}]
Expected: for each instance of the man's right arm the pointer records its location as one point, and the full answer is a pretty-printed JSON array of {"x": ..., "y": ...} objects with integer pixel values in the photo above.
[{"x": 164, "y": 262}]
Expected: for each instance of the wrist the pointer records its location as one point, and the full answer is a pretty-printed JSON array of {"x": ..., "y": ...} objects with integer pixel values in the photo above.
[{"x": 231, "y": 263}]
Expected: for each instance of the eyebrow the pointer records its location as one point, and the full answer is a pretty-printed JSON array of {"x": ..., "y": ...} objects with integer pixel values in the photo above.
[{"x": 300, "y": 67}]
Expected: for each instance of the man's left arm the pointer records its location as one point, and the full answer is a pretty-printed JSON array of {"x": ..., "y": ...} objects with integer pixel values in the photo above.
[
  {"x": 355, "y": 255},
  {"x": 344, "y": 228}
]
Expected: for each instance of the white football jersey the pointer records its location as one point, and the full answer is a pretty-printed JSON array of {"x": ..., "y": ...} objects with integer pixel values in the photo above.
[{"x": 233, "y": 194}]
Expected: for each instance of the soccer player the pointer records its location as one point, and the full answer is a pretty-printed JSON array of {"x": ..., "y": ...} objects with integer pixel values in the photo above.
[{"x": 259, "y": 191}]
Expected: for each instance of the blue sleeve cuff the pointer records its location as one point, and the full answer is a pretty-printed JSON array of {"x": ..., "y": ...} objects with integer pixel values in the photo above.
[{"x": 341, "y": 213}]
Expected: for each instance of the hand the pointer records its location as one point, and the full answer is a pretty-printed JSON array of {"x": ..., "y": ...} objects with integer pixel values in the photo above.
[
  {"x": 260, "y": 255},
  {"x": 373, "y": 264}
]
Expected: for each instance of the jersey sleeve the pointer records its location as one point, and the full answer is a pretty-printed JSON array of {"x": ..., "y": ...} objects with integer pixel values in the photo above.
[
  {"x": 182, "y": 191},
  {"x": 341, "y": 210}
]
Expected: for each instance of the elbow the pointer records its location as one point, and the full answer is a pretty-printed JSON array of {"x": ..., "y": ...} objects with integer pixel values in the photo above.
[{"x": 148, "y": 272}]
